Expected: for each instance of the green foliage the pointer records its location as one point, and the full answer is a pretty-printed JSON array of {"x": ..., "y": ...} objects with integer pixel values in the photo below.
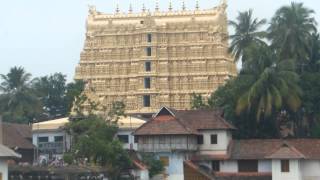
[
  {"x": 155, "y": 165},
  {"x": 197, "y": 102},
  {"x": 68, "y": 158},
  {"x": 94, "y": 141},
  {"x": 291, "y": 32},
  {"x": 18, "y": 101},
  {"x": 56, "y": 95},
  {"x": 51, "y": 90},
  {"x": 247, "y": 34},
  {"x": 73, "y": 91}
]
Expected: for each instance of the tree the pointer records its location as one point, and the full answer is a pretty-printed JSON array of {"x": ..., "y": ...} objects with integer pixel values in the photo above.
[
  {"x": 18, "y": 102},
  {"x": 73, "y": 91},
  {"x": 291, "y": 30},
  {"x": 197, "y": 102},
  {"x": 52, "y": 92},
  {"x": 94, "y": 141},
  {"x": 274, "y": 84},
  {"x": 246, "y": 34}
]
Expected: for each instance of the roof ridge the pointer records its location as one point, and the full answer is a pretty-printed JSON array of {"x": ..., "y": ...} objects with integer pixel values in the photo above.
[{"x": 286, "y": 144}]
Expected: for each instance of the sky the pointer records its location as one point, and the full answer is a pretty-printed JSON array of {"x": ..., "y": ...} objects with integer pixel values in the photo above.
[{"x": 47, "y": 36}]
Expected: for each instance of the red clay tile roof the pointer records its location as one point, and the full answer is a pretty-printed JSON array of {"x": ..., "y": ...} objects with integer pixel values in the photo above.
[
  {"x": 170, "y": 121},
  {"x": 286, "y": 151},
  {"x": 163, "y": 125},
  {"x": 265, "y": 148},
  {"x": 17, "y": 135}
]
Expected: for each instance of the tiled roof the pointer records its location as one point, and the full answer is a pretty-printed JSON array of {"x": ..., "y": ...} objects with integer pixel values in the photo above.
[
  {"x": 276, "y": 149},
  {"x": 8, "y": 153},
  {"x": 163, "y": 125},
  {"x": 170, "y": 121},
  {"x": 286, "y": 151},
  {"x": 17, "y": 135}
]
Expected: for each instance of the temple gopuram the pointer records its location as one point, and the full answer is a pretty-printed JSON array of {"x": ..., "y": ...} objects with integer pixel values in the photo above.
[{"x": 154, "y": 59}]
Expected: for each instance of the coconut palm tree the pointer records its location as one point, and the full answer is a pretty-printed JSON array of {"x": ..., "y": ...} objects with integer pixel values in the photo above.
[
  {"x": 291, "y": 30},
  {"x": 18, "y": 103},
  {"x": 246, "y": 34},
  {"x": 273, "y": 84}
]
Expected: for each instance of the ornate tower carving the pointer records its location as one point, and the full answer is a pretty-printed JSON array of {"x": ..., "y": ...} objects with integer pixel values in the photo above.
[{"x": 154, "y": 59}]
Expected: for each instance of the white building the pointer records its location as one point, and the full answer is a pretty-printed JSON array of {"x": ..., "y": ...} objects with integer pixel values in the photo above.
[
  {"x": 50, "y": 138},
  {"x": 127, "y": 125},
  {"x": 198, "y": 144},
  {"x": 6, "y": 154}
]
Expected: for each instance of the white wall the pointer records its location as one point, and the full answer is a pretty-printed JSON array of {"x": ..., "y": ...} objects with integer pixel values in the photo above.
[
  {"x": 224, "y": 138},
  {"x": 294, "y": 173},
  {"x": 131, "y": 139},
  {"x": 51, "y": 135},
  {"x": 4, "y": 169},
  {"x": 175, "y": 168},
  {"x": 229, "y": 166},
  {"x": 310, "y": 169}
]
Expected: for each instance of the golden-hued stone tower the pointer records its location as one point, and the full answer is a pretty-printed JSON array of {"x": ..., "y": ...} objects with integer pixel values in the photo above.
[{"x": 154, "y": 59}]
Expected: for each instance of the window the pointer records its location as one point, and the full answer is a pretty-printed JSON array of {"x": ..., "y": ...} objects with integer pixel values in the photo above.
[
  {"x": 141, "y": 22},
  {"x": 248, "y": 166},
  {"x": 149, "y": 38},
  {"x": 149, "y": 51},
  {"x": 164, "y": 160},
  {"x": 123, "y": 138},
  {"x": 147, "y": 66},
  {"x": 214, "y": 139},
  {"x": 215, "y": 166},
  {"x": 146, "y": 101},
  {"x": 43, "y": 139},
  {"x": 147, "y": 82},
  {"x": 285, "y": 166},
  {"x": 200, "y": 139},
  {"x": 162, "y": 140},
  {"x": 136, "y": 140},
  {"x": 58, "y": 139},
  {"x": 144, "y": 140}
]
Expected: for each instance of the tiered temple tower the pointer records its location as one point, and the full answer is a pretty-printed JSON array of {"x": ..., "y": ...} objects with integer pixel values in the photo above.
[{"x": 154, "y": 59}]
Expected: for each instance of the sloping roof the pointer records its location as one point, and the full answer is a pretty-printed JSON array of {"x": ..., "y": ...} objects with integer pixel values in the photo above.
[
  {"x": 130, "y": 122},
  {"x": 275, "y": 149},
  {"x": 50, "y": 125},
  {"x": 203, "y": 119},
  {"x": 5, "y": 152},
  {"x": 170, "y": 121},
  {"x": 286, "y": 152},
  {"x": 163, "y": 125},
  {"x": 17, "y": 135}
]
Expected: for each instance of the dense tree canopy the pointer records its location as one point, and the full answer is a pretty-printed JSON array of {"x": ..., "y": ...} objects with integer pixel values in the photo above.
[
  {"x": 24, "y": 100},
  {"x": 276, "y": 92},
  {"x": 247, "y": 34},
  {"x": 18, "y": 101}
]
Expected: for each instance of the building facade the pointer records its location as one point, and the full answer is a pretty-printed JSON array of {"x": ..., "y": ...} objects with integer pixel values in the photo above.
[
  {"x": 198, "y": 144},
  {"x": 154, "y": 59}
]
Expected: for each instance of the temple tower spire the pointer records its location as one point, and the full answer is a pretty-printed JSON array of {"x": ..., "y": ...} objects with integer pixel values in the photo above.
[
  {"x": 197, "y": 5},
  {"x": 117, "y": 9},
  {"x": 170, "y": 5},
  {"x": 183, "y": 6},
  {"x": 157, "y": 5},
  {"x": 130, "y": 8}
]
